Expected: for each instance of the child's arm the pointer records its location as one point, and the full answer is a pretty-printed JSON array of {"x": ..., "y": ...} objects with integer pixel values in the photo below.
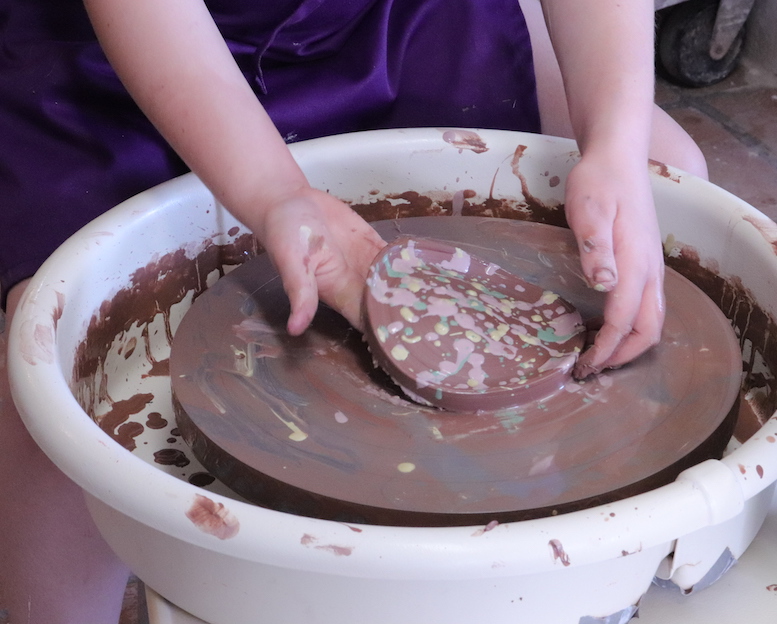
[
  {"x": 605, "y": 50},
  {"x": 175, "y": 63}
]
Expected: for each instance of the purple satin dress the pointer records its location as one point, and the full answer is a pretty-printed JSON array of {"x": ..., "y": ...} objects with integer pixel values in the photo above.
[{"x": 73, "y": 144}]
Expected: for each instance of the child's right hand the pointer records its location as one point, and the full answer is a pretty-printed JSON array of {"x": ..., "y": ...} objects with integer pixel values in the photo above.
[{"x": 322, "y": 250}]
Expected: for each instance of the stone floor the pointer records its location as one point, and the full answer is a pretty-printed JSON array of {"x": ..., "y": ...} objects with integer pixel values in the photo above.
[{"x": 734, "y": 123}]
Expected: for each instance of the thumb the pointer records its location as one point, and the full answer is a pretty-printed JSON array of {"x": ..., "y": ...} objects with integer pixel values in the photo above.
[{"x": 593, "y": 229}]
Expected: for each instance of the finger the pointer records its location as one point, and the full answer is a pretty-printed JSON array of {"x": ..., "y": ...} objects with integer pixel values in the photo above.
[
  {"x": 345, "y": 291},
  {"x": 348, "y": 300},
  {"x": 620, "y": 312},
  {"x": 296, "y": 265},
  {"x": 328, "y": 275},
  {"x": 303, "y": 297},
  {"x": 593, "y": 230},
  {"x": 646, "y": 332},
  {"x": 594, "y": 360},
  {"x": 632, "y": 325}
]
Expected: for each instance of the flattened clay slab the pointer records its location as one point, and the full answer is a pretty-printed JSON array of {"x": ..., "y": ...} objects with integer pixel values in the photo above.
[
  {"x": 463, "y": 334},
  {"x": 308, "y": 425}
]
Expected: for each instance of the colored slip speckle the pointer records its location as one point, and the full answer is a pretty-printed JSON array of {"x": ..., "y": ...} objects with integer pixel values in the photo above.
[{"x": 479, "y": 323}]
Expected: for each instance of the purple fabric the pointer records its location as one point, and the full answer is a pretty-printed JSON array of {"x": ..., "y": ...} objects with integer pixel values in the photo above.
[{"x": 73, "y": 144}]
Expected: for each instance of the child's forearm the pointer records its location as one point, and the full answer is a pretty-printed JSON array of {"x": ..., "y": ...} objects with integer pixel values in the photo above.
[
  {"x": 605, "y": 50},
  {"x": 174, "y": 62}
]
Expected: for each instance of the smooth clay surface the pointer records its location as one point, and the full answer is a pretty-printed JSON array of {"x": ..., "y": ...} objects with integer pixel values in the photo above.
[{"x": 308, "y": 425}]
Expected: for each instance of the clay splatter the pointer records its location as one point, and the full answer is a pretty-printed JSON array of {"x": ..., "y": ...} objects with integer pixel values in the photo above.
[
  {"x": 338, "y": 551},
  {"x": 155, "y": 421},
  {"x": 171, "y": 457},
  {"x": 766, "y": 227},
  {"x": 465, "y": 139},
  {"x": 755, "y": 327},
  {"x": 558, "y": 552},
  {"x": 553, "y": 215},
  {"x": 201, "y": 479},
  {"x": 213, "y": 518},
  {"x": 152, "y": 291},
  {"x": 120, "y": 412},
  {"x": 662, "y": 170},
  {"x": 58, "y": 309},
  {"x": 40, "y": 347}
]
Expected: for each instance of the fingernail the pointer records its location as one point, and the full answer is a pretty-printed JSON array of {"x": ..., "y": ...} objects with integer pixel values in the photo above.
[
  {"x": 603, "y": 279},
  {"x": 583, "y": 370}
]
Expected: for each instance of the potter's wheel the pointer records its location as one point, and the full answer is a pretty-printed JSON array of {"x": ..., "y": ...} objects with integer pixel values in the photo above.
[{"x": 307, "y": 425}]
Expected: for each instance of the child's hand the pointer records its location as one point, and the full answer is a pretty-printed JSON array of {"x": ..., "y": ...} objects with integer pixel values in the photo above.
[
  {"x": 322, "y": 250},
  {"x": 610, "y": 208}
]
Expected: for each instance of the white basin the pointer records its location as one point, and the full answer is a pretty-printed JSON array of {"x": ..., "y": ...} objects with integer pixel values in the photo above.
[{"x": 229, "y": 562}]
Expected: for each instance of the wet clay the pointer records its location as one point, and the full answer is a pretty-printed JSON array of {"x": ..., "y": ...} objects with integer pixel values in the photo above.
[
  {"x": 463, "y": 334},
  {"x": 755, "y": 329},
  {"x": 152, "y": 292},
  {"x": 309, "y": 426}
]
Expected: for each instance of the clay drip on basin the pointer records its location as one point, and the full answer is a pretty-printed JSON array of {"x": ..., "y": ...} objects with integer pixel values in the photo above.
[{"x": 307, "y": 425}]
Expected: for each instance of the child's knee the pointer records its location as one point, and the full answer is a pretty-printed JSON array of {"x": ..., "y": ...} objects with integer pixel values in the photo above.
[{"x": 672, "y": 145}]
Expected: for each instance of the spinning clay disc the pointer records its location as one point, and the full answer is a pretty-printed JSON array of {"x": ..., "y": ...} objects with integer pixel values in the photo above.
[
  {"x": 463, "y": 334},
  {"x": 308, "y": 425}
]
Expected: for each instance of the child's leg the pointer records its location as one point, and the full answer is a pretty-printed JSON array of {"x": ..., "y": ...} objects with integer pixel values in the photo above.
[
  {"x": 54, "y": 566},
  {"x": 670, "y": 143}
]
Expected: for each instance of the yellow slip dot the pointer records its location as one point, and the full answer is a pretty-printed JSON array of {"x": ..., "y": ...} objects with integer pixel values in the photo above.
[
  {"x": 382, "y": 333},
  {"x": 399, "y": 353},
  {"x": 472, "y": 335},
  {"x": 536, "y": 318},
  {"x": 406, "y": 467},
  {"x": 529, "y": 339},
  {"x": 472, "y": 293},
  {"x": 408, "y": 314},
  {"x": 472, "y": 383},
  {"x": 414, "y": 284},
  {"x": 549, "y": 297},
  {"x": 411, "y": 339},
  {"x": 441, "y": 329},
  {"x": 499, "y": 332}
]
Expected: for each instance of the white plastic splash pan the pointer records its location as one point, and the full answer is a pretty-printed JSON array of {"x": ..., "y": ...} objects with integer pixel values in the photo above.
[{"x": 229, "y": 562}]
